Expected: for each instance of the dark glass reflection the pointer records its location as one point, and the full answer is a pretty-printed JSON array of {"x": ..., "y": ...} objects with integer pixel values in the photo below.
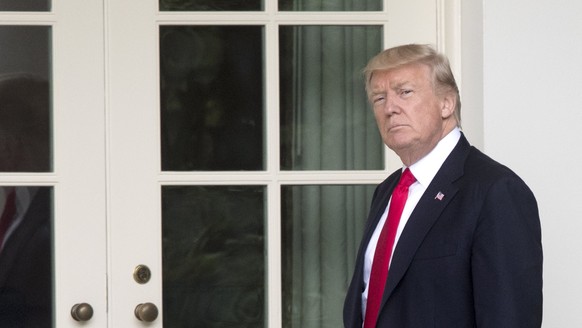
[
  {"x": 326, "y": 122},
  {"x": 25, "y": 5},
  {"x": 330, "y": 5},
  {"x": 321, "y": 228},
  {"x": 26, "y": 257},
  {"x": 25, "y": 105},
  {"x": 213, "y": 247},
  {"x": 211, "y": 98},
  {"x": 211, "y": 5}
]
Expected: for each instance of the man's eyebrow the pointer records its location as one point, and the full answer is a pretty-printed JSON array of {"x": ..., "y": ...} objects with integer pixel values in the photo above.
[{"x": 401, "y": 84}]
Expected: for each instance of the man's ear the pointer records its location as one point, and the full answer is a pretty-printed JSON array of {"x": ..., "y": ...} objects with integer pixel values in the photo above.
[{"x": 448, "y": 105}]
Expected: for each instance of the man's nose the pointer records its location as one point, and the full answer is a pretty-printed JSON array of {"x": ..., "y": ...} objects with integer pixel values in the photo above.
[{"x": 390, "y": 106}]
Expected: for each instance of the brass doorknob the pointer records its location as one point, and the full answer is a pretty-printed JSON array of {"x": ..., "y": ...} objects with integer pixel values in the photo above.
[
  {"x": 82, "y": 312},
  {"x": 146, "y": 312}
]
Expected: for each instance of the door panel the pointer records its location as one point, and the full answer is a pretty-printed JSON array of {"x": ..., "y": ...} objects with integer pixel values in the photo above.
[
  {"x": 54, "y": 161},
  {"x": 80, "y": 243},
  {"x": 134, "y": 207}
]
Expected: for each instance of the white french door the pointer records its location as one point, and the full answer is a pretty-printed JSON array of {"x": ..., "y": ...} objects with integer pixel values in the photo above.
[
  {"x": 123, "y": 209},
  {"x": 146, "y": 190}
]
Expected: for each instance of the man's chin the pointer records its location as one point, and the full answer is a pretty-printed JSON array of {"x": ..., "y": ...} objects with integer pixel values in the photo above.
[{"x": 398, "y": 142}]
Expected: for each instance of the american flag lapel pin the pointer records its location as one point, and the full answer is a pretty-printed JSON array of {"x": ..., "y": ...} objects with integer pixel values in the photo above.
[{"x": 439, "y": 196}]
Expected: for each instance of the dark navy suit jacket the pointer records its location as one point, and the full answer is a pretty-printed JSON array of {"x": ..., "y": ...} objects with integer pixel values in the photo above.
[{"x": 470, "y": 259}]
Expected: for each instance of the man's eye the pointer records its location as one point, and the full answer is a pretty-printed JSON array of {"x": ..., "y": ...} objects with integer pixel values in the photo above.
[
  {"x": 378, "y": 99},
  {"x": 405, "y": 92}
]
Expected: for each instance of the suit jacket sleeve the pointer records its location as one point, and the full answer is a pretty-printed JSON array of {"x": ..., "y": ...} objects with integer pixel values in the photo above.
[{"x": 506, "y": 258}]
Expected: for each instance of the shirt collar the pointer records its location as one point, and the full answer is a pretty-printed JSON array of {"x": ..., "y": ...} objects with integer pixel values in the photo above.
[{"x": 426, "y": 168}]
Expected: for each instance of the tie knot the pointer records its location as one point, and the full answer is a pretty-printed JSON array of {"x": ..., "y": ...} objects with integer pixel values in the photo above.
[{"x": 407, "y": 178}]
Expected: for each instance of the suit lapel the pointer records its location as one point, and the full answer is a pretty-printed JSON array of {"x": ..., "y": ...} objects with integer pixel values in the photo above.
[
  {"x": 379, "y": 205},
  {"x": 425, "y": 214},
  {"x": 353, "y": 302}
]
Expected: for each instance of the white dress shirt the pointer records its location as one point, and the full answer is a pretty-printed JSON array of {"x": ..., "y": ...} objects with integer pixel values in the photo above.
[{"x": 424, "y": 171}]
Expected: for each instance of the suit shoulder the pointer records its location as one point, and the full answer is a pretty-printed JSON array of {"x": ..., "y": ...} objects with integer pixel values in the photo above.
[
  {"x": 481, "y": 167},
  {"x": 479, "y": 163}
]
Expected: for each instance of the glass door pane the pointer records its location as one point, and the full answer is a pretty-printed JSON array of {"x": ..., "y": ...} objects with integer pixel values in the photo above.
[
  {"x": 25, "y": 123},
  {"x": 326, "y": 122},
  {"x": 25, "y": 5},
  {"x": 330, "y": 5},
  {"x": 321, "y": 228},
  {"x": 213, "y": 254},
  {"x": 212, "y": 98},
  {"x": 25, "y": 105},
  {"x": 211, "y": 5}
]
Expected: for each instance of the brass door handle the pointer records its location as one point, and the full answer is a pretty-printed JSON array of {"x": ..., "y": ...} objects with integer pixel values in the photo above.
[
  {"x": 146, "y": 312},
  {"x": 82, "y": 312}
]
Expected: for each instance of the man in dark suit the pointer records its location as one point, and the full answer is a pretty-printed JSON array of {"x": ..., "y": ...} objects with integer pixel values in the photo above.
[{"x": 467, "y": 247}]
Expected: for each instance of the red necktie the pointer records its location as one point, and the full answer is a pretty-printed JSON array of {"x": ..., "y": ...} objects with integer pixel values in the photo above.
[
  {"x": 383, "y": 251},
  {"x": 7, "y": 216}
]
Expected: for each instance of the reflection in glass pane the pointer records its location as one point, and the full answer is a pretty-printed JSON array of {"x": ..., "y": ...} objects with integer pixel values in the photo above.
[
  {"x": 25, "y": 106},
  {"x": 321, "y": 231},
  {"x": 213, "y": 244},
  {"x": 330, "y": 5},
  {"x": 211, "y": 5},
  {"x": 25, "y": 5},
  {"x": 211, "y": 98},
  {"x": 26, "y": 257},
  {"x": 326, "y": 122}
]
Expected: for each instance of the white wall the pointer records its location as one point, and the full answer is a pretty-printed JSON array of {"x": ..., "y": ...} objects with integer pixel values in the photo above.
[{"x": 532, "y": 121}]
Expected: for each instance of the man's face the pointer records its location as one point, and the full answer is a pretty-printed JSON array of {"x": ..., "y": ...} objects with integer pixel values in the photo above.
[{"x": 411, "y": 117}]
